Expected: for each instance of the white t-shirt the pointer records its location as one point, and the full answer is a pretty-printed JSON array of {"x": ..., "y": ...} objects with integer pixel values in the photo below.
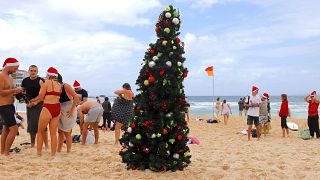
[{"x": 254, "y": 111}]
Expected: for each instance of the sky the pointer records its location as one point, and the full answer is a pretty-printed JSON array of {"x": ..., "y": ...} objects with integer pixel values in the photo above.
[{"x": 273, "y": 44}]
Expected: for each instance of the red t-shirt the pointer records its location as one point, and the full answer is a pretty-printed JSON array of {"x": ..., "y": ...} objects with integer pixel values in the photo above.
[
  {"x": 284, "y": 109},
  {"x": 313, "y": 108}
]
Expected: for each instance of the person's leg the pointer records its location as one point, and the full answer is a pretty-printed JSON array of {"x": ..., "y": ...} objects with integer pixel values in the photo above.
[
  {"x": 53, "y": 128},
  {"x": 310, "y": 125},
  {"x": 109, "y": 119},
  {"x": 60, "y": 140},
  {"x": 265, "y": 130},
  {"x": 104, "y": 124},
  {"x": 4, "y": 135},
  {"x": 84, "y": 132},
  {"x": 33, "y": 139},
  {"x": 117, "y": 132},
  {"x": 249, "y": 123},
  {"x": 283, "y": 126},
  {"x": 68, "y": 141},
  {"x": 316, "y": 120},
  {"x": 225, "y": 119},
  {"x": 46, "y": 138},
  {"x": 44, "y": 118},
  {"x": 13, "y": 130},
  {"x": 96, "y": 132}
]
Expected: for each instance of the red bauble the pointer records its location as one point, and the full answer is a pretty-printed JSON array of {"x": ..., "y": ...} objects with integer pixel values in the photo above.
[
  {"x": 133, "y": 167},
  {"x": 181, "y": 169},
  {"x": 185, "y": 74},
  {"x": 164, "y": 131},
  {"x": 162, "y": 72},
  {"x": 151, "y": 79},
  {"x": 151, "y": 51},
  {"x": 179, "y": 137},
  {"x": 178, "y": 40},
  {"x": 164, "y": 105},
  {"x": 180, "y": 150},
  {"x": 133, "y": 125},
  {"x": 157, "y": 29}
]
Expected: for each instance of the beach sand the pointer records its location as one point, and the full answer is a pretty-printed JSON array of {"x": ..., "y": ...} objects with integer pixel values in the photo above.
[{"x": 222, "y": 154}]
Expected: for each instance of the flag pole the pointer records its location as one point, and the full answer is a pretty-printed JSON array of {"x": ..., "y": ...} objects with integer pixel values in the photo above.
[{"x": 213, "y": 97}]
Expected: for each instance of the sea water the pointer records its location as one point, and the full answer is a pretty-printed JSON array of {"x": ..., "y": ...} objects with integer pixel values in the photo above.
[{"x": 202, "y": 105}]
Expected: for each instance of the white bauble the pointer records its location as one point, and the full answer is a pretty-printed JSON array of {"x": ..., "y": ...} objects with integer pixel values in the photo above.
[
  {"x": 130, "y": 144},
  {"x": 179, "y": 63},
  {"x": 168, "y": 15},
  {"x": 169, "y": 63},
  {"x": 176, "y": 155},
  {"x": 168, "y": 152},
  {"x": 175, "y": 21},
  {"x": 151, "y": 64},
  {"x": 155, "y": 58},
  {"x": 129, "y": 130},
  {"x": 153, "y": 136}
]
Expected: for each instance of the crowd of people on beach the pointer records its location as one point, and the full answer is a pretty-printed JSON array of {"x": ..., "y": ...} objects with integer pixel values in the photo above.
[
  {"x": 257, "y": 110},
  {"x": 53, "y": 107}
]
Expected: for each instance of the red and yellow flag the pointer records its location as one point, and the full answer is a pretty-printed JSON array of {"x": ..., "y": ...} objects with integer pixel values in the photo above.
[{"x": 209, "y": 71}]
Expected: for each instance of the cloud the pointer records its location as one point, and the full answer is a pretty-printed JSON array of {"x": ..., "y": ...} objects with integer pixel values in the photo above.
[{"x": 200, "y": 3}]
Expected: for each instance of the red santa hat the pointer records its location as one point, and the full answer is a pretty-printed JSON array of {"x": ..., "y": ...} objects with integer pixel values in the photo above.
[
  {"x": 10, "y": 62},
  {"x": 313, "y": 93},
  {"x": 52, "y": 72},
  {"x": 76, "y": 84},
  {"x": 254, "y": 88},
  {"x": 265, "y": 95}
]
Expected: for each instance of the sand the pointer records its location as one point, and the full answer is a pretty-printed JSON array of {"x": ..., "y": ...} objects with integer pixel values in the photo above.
[{"x": 222, "y": 154}]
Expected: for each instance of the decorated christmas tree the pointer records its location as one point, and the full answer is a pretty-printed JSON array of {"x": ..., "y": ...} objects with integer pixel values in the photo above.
[{"x": 156, "y": 137}]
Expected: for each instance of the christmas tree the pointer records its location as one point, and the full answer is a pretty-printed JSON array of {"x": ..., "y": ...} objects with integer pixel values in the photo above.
[{"x": 156, "y": 137}]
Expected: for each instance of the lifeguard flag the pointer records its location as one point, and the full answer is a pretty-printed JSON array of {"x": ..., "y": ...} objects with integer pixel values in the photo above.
[{"x": 210, "y": 71}]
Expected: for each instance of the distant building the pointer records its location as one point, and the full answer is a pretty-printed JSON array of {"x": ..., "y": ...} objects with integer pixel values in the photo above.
[{"x": 19, "y": 76}]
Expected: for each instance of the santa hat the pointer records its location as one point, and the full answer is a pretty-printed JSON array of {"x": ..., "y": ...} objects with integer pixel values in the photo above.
[
  {"x": 313, "y": 93},
  {"x": 254, "y": 88},
  {"x": 52, "y": 72},
  {"x": 265, "y": 95},
  {"x": 10, "y": 62},
  {"x": 76, "y": 84}
]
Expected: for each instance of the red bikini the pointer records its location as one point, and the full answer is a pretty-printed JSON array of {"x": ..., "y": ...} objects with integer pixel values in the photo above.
[{"x": 54, "y": 109}]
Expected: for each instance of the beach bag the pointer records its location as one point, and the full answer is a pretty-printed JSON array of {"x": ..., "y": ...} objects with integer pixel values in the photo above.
[
  {"x": 254, "y": 133},
  {"x": 90, "y": 138},
  {"x": 212, "y": 121},
  {"x": 305, "y": 134}
]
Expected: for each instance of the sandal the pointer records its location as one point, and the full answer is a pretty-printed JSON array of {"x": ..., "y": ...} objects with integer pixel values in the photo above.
[
  {"x": 16, "y": 150},
  {"x": 26, "y": 143}
]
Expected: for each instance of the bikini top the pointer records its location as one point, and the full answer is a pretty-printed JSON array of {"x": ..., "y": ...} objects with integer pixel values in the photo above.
[{"x": 53, "y": 93}]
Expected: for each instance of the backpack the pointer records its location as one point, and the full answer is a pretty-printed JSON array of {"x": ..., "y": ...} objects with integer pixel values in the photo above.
[{"x": 254, "y": 133}]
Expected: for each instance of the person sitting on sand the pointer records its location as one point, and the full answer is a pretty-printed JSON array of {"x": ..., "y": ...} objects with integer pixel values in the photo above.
[
  {"x": 94, "y": 113},
  {"x": 284, "y": 113},
  {"x": 263, "y": 114},
  {"x": 253, "y": 104},
  {"x": 313, "y": 117},
  {"x": 226, "y": 111}
]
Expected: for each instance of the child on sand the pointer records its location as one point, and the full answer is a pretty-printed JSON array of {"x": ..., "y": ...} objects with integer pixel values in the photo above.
[
  {"x": 263, "y": 114},
  {"x": 283, "y": 114}
]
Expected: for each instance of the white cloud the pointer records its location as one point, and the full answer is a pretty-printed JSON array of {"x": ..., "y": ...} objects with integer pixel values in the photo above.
[{"x": 200, "y": 3}]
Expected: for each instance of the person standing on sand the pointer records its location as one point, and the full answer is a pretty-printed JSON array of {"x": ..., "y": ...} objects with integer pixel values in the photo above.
[
  {"x": 225, "y": 111},
  {"x": 94, "y": 113},
  {"x": 313, "y": 117},
  {"x": 68, "y": 102},
  {"x": 284, "y": 113},
  {"x": 218, "y": 105},
  {"x": 32, "y": 85},
  {"x": 263, "y": 114},
  {"x": 122, "y": 109},
  {"x": 106, "y": 113},
  {"x": 83, "y": 97},
  {"x": 7, "y": 109},
  {"x": 253, "y": 104},
  {"x": 241, "y": 106}
]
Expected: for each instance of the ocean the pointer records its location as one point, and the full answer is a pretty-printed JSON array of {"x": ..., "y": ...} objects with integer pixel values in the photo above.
[{"x": 202, "y": 105}]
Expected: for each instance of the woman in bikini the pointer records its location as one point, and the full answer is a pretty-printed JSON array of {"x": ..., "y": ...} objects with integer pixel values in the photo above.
[
  {"x": 50, "y": 114},
  {"x": 122, "y": 109}
]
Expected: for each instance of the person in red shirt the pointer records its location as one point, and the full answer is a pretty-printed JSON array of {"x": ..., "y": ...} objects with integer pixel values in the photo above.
[
  {"x": 313, "y": 117},
  {"x": 284, "y": 113}
]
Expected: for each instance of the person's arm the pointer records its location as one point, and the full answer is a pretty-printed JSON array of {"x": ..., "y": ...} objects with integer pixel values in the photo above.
[
  {"x": 6, "y": 92},
  {"x": 120, "y": 92},
  {"x": 72, "y": 93},
  {"x": 81, "y": 116},
  {"x": 109, "y": 107},
  {"x": 306, "y": 98},
  {"x": 229, "y": 108}
]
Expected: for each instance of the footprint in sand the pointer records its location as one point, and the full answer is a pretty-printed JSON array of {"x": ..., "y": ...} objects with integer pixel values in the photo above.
[{"x": 225, "y": 167}]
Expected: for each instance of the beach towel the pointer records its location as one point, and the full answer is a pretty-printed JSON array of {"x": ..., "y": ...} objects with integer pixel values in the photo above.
[
  {"x": 193, "y": 140},
  {"x": 305, "y": 134}
]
